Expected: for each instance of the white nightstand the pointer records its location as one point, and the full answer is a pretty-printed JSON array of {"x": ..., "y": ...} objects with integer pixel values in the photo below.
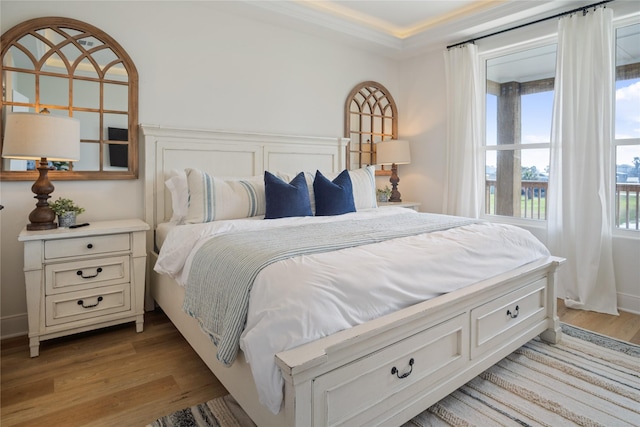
[
  {"x": 84, "y": 278},
  {"x": 409, "y": 205}
]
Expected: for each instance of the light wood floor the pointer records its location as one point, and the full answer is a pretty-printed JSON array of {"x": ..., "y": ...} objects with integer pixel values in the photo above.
[{"x": 116, "y": 377}]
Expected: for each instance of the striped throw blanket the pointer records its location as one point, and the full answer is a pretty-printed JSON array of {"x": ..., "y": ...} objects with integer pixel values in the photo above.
[{"x": 224, "y": 268}]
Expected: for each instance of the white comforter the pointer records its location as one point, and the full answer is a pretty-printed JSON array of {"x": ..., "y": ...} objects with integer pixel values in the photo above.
[{"x": 307, "y": 297}]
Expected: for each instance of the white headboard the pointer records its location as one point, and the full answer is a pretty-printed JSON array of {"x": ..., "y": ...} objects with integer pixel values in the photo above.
[{"x": 222, "y": 153}]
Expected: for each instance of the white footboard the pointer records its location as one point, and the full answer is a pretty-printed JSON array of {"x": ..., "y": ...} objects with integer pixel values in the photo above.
[{"x": 388, "y": 370}]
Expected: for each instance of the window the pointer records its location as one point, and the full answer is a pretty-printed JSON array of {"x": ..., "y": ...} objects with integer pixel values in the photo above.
[
  {"x": 519, "y": 105},
  {"x": 627, "y": 128}
]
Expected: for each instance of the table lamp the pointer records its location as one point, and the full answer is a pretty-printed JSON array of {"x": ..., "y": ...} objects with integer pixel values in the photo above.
[
  {"x": 32, "y": 136},
  {"x": 393, "y": 152}
]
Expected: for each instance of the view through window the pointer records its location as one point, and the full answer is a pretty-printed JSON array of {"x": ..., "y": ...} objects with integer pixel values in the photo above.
[
  {"x": 627, "y": 127},
  {"x": 519, "y": 104}
]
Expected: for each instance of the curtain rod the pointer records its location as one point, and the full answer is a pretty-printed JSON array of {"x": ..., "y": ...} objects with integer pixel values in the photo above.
[{"x": 583, "y": 9}]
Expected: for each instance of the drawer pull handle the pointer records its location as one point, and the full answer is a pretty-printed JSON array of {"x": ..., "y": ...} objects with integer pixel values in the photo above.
[
  {"x": 98, "y": 271},
  {"x": 394, "y": 370},
  {"x": 90, "y": 246},
  {"x": 80, "y": 302},
  {"x": 515, "y": 313}
]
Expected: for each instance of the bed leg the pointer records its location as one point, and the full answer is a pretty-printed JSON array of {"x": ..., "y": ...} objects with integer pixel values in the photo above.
[{"x": 552, "y": 335}]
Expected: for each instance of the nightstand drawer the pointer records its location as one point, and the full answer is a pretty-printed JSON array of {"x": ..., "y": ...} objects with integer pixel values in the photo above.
[
  {"x": 91, "y": 273},
  {"x": 65, "y": 248},
  {"x": 73, "y": 306}
]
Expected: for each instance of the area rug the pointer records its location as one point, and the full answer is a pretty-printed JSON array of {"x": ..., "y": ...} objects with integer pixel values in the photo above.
[{"x": 586, "y": 380}]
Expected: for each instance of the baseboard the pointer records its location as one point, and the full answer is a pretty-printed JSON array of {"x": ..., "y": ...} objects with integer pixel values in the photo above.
[
  {"x": 626, "y": 302},
  {"x": 629, "y": 303},
  {"x": 13, "y": 326}
]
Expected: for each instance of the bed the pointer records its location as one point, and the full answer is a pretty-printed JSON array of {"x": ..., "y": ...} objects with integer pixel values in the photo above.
[{"x": 382, "y": 371}]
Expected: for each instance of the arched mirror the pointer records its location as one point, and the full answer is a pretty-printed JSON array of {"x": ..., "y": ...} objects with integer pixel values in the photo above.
[
  {"x": 370, "y": 116},
  {"x": 75, "y": 70}
]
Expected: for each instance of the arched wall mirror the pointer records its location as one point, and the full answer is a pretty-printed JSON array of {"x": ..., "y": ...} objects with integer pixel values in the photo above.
[
  {"x": 73, "y": 69},
  {"x": 370, "y": 116}
]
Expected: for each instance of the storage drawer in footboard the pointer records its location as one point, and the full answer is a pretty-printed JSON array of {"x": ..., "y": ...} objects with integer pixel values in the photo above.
[
  {"x": 494, "y": 323},
  {"x": 388, "y": 380}
]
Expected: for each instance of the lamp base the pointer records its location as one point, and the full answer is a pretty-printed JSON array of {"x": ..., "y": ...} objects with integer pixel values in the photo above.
[
  {"x": 395, "y": 194},
  {"x": 42, "y": 216},
  {"x": 44, "y": 226}
]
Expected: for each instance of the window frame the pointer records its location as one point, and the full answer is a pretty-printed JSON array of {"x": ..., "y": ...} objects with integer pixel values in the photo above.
[
  {"x": 615, "y": 142},
  {"x": 483, "y": 58},
  {"x": 551, "y": 38}
]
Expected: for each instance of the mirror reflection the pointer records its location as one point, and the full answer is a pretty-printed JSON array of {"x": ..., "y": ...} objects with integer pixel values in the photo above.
[
  {"x": 73, "y": 69},
  {"x": 370, "y": 117}
]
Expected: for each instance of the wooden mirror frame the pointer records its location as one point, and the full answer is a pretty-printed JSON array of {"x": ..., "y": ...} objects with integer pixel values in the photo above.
[
  {"x": 370, "y": 116},
  {"x": 72, "y": 32}
]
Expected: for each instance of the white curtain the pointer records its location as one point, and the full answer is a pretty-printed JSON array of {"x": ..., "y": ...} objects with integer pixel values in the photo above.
[
  {"x": 464, "y": 97},
  {"x": 579, "y": 222}
]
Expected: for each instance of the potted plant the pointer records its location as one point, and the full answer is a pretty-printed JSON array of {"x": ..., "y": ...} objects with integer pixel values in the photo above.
[
  {"x": 66, "y": 211},
  {"x": 384, "y": 194}
]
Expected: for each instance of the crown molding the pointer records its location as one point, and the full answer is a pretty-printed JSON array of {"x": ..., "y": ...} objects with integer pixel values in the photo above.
[{"x": 388, "y": 40}]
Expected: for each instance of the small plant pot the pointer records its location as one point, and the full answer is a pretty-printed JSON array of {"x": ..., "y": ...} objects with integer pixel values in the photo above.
[
  {"x": 383, "y": 198},
  {"x": 67, "y": 219}
]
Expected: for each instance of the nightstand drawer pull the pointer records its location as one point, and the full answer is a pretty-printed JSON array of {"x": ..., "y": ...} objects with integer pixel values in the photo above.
[
  {"x": 80, "y": 302},
  {"x": 90, "y": 246},
  {"x": 394, "y": 370},
  {"x": 98, "y": 271},
  {"x": 515, "y": 313}
]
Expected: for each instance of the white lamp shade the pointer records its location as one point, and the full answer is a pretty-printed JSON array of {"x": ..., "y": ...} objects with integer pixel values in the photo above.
[
  {"x": 393, "y": 151},
  {"x": 32, "y": 136}
]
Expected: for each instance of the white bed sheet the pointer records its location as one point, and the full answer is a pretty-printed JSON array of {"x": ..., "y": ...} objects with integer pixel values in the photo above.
[
  {"x": 304, "y": 298},
  {"x": 175, "y": 257},
  {"x": 162, "y": 231}
]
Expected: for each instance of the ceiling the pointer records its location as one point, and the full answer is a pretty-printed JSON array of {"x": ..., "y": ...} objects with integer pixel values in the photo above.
[{"x": 402, "y": 28}]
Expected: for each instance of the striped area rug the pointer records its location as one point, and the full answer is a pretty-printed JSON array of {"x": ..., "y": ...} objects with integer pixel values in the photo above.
[{"x": 585, "y": 380}]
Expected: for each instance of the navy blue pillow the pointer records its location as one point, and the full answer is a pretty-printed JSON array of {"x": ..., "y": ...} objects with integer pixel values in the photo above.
[
  {"x": 333, "y": 197},
  {"x": 285, "y": 200}
]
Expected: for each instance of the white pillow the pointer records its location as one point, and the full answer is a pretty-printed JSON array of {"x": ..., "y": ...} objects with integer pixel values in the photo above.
[
  {"x": 364, "y": 187},
  {"x": 179, "y": 190},
  {"x": 213, "y": 199}
]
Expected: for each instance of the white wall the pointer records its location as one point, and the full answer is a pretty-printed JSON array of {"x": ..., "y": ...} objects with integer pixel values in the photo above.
[
  {"x": 199, "y": 66},
  {"x": 422, "y": 98}
]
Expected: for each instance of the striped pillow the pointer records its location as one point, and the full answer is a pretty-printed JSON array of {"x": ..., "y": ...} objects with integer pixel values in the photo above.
[
  {"x": 364, "y": 187},
  {"x": 212, "y": 198}
]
